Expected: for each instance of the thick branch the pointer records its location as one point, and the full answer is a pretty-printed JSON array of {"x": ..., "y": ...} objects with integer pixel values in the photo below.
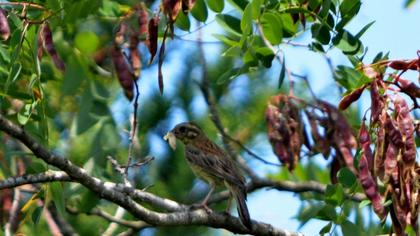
[{"x": 107, "y": 191}]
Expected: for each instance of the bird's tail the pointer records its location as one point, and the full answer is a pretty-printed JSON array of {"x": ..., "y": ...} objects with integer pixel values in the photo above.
[{"x": 239, "y": 193}]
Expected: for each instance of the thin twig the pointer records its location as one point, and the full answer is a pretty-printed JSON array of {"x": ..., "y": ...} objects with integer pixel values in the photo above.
[
  {"x": 132, "y": 134},
  {"x": 23, "y": 4},
  {"x": 249, "y": 151}
]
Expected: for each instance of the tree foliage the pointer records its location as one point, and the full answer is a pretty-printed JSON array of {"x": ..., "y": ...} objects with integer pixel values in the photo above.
[{"x": 88, "y": 90}]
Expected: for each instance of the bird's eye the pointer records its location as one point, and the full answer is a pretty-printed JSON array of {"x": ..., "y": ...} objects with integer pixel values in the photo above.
[{"x": 182, "y": 129}]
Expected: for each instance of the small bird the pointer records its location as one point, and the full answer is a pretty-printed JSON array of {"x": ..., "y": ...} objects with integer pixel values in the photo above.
[{"x": 210, "y": 163}]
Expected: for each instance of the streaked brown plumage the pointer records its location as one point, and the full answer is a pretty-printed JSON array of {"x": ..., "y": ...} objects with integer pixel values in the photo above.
[{"x": 209, "y": 162}]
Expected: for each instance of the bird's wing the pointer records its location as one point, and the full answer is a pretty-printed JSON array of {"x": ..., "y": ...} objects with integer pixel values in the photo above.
[{"x": 215, "y": 162}]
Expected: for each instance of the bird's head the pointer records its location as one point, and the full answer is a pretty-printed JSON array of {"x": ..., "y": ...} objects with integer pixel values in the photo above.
[{"x": 187, "y": 132}]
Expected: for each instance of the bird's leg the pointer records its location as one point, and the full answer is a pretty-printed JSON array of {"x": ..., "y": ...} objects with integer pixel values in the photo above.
[
  {"x": 229, "y": 203},
  {"x": 206, "y": 199}
]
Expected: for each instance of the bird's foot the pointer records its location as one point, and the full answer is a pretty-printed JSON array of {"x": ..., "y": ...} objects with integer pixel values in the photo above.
[{"x": 201, "y": 205}]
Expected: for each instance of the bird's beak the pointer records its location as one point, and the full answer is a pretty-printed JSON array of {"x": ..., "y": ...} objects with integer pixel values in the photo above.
[{"x": 171, "y": 139}]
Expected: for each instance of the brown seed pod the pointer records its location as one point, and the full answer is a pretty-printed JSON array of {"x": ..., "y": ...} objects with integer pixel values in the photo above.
[
  {"x": 364, "y": 140},
  {"x": 406, "y": 126},
  {"x": 285, "y": 130},
  {"x": 403, "y": 65},
  {"x": 125, "y": 77},
  {"x": 187, "y": 5},
  {"x": 370, "y": 187},
  {"x": 135, "y": 55},
  {"x": 152, "y": 41},
  {"x": 4, "y": 25},
  {"x": 409, "y": 88},
  {"x": 48, "y": 45},
  {"x": 120, "y": 34},
  {"x": 171, "y": 8},
  {"x": 378, "y": 101},
  {"x": 347, "y": 100},
  {"x": 142, "y": 19}
]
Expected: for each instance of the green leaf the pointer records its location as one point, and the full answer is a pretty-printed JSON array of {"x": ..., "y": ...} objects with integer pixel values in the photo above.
[
  {"x": 233, "y": 51},
  {"x": 58, "y": 197},
  {"x": 230, "y": 24},
  {"x": 225, "y": 39},
  {"x": 350, "y": 229},
  {"x": 199, "y": 11},
  {"x": 347, "y": 43},
  {"x": 364, "y": 203},
  {"x": 326, "y": 229},
  {"x": 282, "y": 73},
  {"x": 289, "y": 28},
  {"x": 88, "y": 201},
  {"x": 265, "y": 55},
  {"x": 183, "y": 21},
  {"x": 238, "y": 4},
  {"x": 309, "y": 212},
  {"x": 246, "y": 22},
  {"x": 87, "y": 42},
  {"x": 364, "y": 29},
  {"x": 409, "y": 3},
  {"x": 334, "y": 194},
  {"x": 325, "y": 9},
  {"x": 349, "y": 7},
  {"x": 346, "y": 177},
  {"x": 216, "y": 5},
  {"x": 327, "y": 213},
  {"x": 36, "y": 215},
  {"x": 272, "y": 27},
  {"x": 321, "y": 33},
  {"x": 256, "y": 8},
  {"x": 74, "y": 75}
]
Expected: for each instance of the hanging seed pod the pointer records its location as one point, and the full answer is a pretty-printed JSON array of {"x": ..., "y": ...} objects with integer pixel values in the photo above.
[
  {"x": 142, "y": 19},
  {"x": 135, "y": 55},
  {"x": 378, "y": 102},
  {"x": 364, "y": 140},
  {"x": 48, "y": 45},
  {"x": 409, "y": 88},
  {"x": 285, "y": 130},
  {"x": 403, "y": 65},
  {"x": 370, "y": 187},
  {"x": 406, "y": 126},
  {"x": 171, "y": 8},
  {"x": 152, "y": 41},
  {"x": 187, "y": 5},
  {"x": 4, "y": 25},
  {"x": 347, "y": 100},
  {"x": 125, "y": 77},
  {"x": 120, "y": 34}
]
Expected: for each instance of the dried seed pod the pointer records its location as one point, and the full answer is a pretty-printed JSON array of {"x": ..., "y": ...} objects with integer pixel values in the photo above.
[
  {"x": 40, "y": 43},
  {"x": 406, "y": 126},
  {"x": 135, "y": 55},
  {"x": 122, "y": 69},
  {"x": 409, "y": 88},
  {"x": 321, "y": 144},
  {"x": 171, "y": 8},
  {"x": 403, "y": 65},
  {"x": 378, "y": 101},
  {"x": 152, "y": 41},
  {"x": 4, "y": 25},
  {"x": 187, "y": 5},
  {"x": 347, "y": 100},
  {"x": 120, "y": 34},
  {"x": 370, "y": 187},
  {"x": 285, "y": 130},
  {"x": 142, "y": 19},
  {"x": 48, "y": 45},
  {"x": 364, "y": 140}
]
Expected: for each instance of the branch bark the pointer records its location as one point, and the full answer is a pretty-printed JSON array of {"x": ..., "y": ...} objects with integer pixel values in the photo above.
[{"x": 109, "y": 192}]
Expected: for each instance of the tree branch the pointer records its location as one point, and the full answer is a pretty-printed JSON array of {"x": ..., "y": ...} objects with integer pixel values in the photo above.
[{"x": 108, "y": 191}]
